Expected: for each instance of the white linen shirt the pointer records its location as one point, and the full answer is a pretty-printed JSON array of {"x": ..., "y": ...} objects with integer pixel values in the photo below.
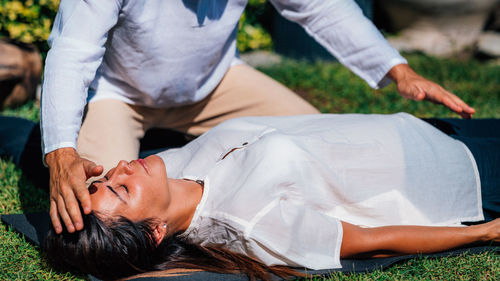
[
  {"x": 276, "y": 188},
  {"x": 167, "y": 53}
]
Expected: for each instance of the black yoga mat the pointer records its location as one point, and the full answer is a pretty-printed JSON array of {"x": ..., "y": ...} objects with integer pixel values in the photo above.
[{"x": 35, "y": 226}]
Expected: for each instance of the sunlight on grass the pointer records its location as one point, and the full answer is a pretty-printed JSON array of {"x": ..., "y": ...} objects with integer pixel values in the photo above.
[
  {"x": 334, "y": 89},
  {"x": 463, "y": 267},
  {"x": 30, "y": 111},
  {"x": 20, "y": 260}
]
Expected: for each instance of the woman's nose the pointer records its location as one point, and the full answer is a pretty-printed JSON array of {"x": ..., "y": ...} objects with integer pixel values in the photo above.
[{"x": 124, "y": 166}]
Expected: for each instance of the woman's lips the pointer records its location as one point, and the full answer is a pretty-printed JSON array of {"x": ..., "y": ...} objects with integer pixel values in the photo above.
[{"x": 143, "y": 164}]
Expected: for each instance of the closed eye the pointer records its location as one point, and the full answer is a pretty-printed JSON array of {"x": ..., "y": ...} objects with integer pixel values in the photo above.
[
  {"x": 114, "y": 192},
  {"x": 125, "y": 187}
]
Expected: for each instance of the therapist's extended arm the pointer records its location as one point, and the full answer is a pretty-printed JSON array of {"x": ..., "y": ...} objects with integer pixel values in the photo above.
[
  {"x": 77, "y": 48},
  {"x": 401, "y": 240},
  {"x": 341, "y": 27}
]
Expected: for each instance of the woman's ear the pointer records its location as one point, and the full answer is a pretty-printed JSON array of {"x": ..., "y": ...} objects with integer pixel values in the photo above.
[{"x": 159, "y": 232}]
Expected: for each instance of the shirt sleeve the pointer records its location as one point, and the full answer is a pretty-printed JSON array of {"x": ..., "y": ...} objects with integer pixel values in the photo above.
[
  {"x": 288, "y": 232},
  {"x": 77, "y": 44},
  {"x": 341, "y": 27}
]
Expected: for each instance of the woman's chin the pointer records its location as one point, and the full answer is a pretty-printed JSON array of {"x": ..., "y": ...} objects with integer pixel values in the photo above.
[
  {"x": 153, "y": 161},
  {"x": 156, "y": 166}
]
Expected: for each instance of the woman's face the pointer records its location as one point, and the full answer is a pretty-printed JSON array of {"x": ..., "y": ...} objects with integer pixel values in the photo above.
[{"x": 136, "y": 190}]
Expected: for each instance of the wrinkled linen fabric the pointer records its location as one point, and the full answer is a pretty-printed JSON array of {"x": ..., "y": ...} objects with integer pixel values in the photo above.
[
  {"x": 276, "y": 188},
  {"x": 164, "y": 54}
]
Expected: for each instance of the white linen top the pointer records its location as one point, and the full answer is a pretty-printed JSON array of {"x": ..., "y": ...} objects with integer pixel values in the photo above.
[
  {"x": 276, "y": 188},
  {"x": 161, "y": 53}
]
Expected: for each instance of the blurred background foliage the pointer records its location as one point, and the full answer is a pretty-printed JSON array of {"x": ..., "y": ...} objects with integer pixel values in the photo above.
[
  {"x": 253, "y": 33},
  {"x": 30, "y": 21}
]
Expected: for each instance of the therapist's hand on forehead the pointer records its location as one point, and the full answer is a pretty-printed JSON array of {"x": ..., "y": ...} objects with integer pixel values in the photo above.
[{"x": 68, "y": 189}]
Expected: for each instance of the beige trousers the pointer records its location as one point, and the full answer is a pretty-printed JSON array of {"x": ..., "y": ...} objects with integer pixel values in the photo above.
[{"x": 112, "y": 129}]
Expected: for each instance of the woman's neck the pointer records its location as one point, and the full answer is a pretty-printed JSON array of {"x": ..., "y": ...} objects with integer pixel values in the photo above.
[{"x": 185, "y": 197}]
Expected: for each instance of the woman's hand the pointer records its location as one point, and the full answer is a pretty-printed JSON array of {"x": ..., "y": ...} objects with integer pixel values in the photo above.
[
  {"x": 492, "y": 230},
  {"x": 413, "y": 86},
  {"x": 68, "y": 173}
]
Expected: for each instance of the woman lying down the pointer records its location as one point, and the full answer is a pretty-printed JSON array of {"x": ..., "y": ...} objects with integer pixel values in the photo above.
[{"x": 263, "y": 194}]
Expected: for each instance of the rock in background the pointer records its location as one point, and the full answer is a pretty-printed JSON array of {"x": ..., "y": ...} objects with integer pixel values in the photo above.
[
  {"x": 443, "y": 28},
  {"x": 489, "y": 41},
  {"x": 20, "y": 73},
  {"x": 489, "y": 44}
]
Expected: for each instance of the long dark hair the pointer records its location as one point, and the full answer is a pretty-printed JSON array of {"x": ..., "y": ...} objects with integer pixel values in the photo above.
[{"x": 119, "y": 248}]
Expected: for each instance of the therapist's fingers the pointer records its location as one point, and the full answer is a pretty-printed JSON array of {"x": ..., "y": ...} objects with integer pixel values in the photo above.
[
  {"x": 81, "y": 191},
  {"x": 437, "y": 94},
  {"x": 73, "y": 208},
  {"x": 54, "y": 217},
  {"x": 63, "y": 214},
  {"x": 413, "y": 86}
]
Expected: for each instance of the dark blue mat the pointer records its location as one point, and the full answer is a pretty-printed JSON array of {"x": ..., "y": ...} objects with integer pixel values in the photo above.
[{"x": 35, "y": 226}]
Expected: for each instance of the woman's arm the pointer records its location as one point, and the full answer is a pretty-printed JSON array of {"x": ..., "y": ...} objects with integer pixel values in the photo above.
[{"x": 398, "y": 240}]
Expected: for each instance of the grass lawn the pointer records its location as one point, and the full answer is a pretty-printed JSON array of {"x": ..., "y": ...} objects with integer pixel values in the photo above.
[{"x": 331, "y": 88}]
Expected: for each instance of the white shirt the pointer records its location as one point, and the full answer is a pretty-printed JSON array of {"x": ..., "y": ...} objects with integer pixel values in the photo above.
[
  {"x": 161, "y": 53},
  {"x": 281, "y": 194}
]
